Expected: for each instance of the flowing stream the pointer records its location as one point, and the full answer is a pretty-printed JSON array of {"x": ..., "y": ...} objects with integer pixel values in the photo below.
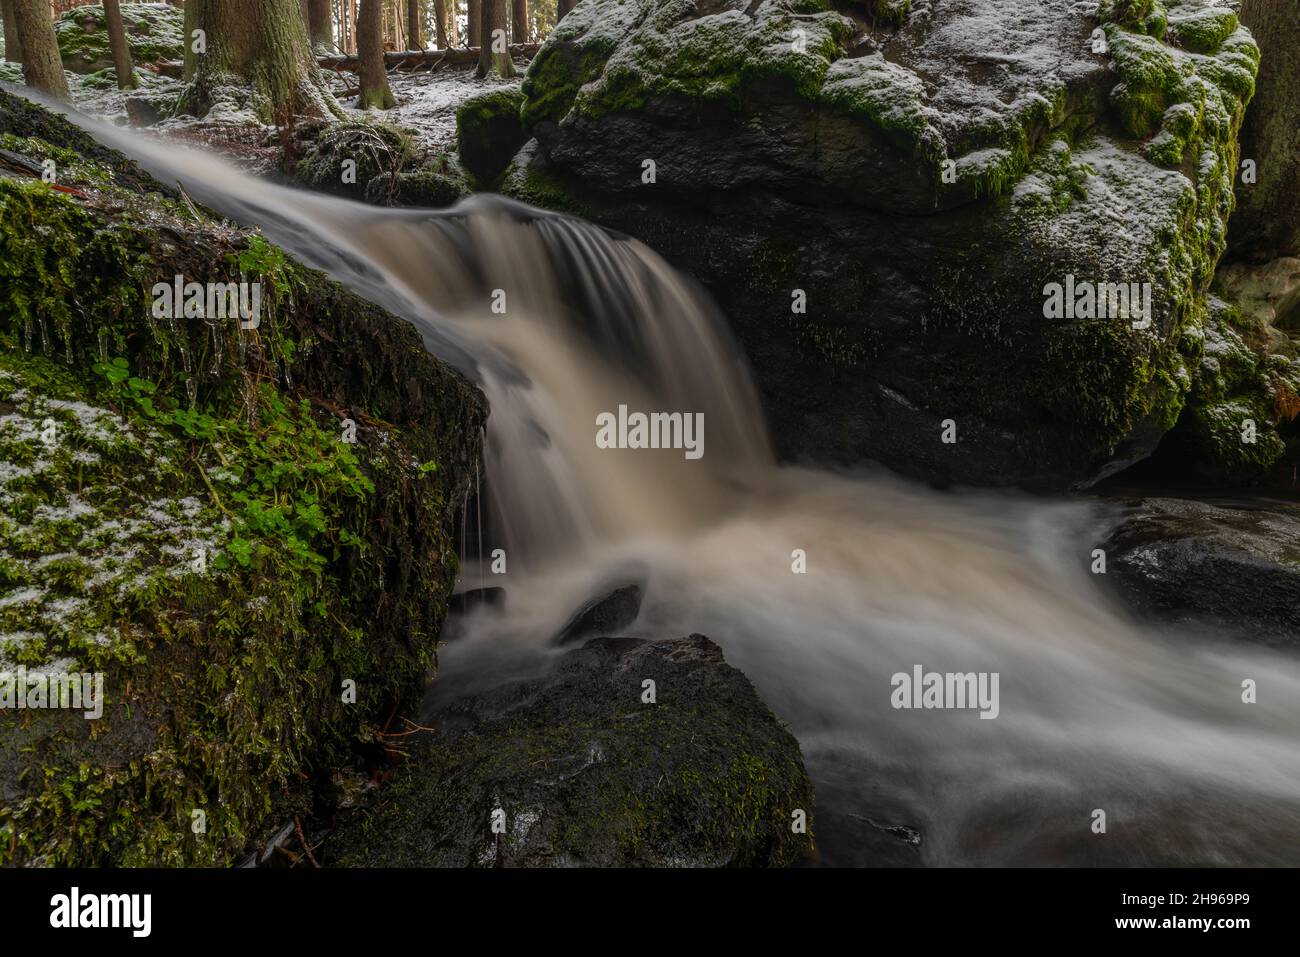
[{"x": 1094, "y": 712}]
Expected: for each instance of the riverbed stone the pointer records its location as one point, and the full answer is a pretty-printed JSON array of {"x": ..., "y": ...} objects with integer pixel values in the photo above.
[{"x": 576, "y": 766}]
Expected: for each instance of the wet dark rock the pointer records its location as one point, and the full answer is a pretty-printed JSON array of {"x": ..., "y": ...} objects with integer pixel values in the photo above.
[
  {"x": 493, "y": 597},
  {"x": 1235, "y": 568},
  {"x": 584, "y": 772},
  {"x": 607, "y": 615}
]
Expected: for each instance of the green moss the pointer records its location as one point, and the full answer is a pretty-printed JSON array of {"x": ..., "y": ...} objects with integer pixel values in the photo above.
[
  {"x": 1201, "y": 29},
  {"x": 344, "y": 157},
  {"x": 154, "y": 32},
  {"x": 436, "y": 182},
  {"x": 1237, "y": 408},
  {"x": 489, "y": 132},
  {"x": 321, "y": 560},
  {"x": 554, "y": 78}
]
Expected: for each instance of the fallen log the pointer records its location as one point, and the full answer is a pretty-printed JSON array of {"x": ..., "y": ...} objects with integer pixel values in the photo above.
[
  {"x": 393, "y": 59},
  {"x": 426, "y": 59}
]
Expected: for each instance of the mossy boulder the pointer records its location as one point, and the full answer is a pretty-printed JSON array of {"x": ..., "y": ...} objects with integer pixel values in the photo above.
[
  {"x": 435, "y": 182},
  {"x": 577, "y": 768},
  {"x": 489, "y": 132},
  {"x": 246, "y": 527},
  {"x": 342, "y": 158},
  {"x": 155, "y": 32},
  {"x": 1243, "y": 405},
  {"x": 881, "y": 212}
]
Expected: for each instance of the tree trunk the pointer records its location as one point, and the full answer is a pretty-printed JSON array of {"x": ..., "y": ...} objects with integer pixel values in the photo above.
[
  {"x": 42, "y": 66},
  {"x": 117, "y": 42},
  {"x": 453, "y": 25},
  {"x": 370, "y": 49},
  {"x": 562, "y": 7},
  {"x": 519, "y": 21},
  {"x": 263, "y": 43},
  {"x": 440, "y": 23},
  {"x": 320, "y": 23},
  {"x": 474, "y": 21},
  {"x": 494, "y": 48},
  {"x": 1266, "y": 224},
  {"x": 414, "y": 25},
  {"x": 13, "y": 46}
]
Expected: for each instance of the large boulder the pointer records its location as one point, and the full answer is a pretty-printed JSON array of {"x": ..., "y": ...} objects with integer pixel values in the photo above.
[
  {"x": 248, "y": 532},
  {"x": 155, "y": 32},
  {"x": 923, "y": 174},
  {"x": 576, "y": 766}
]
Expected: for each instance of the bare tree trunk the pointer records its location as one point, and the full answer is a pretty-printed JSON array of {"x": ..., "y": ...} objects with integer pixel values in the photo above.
[
  {"x": 414, "y": 25},
  {"x": 13, "y": 46},
  {"x": 474, "y": 21},
  {"x": 42, "y": 66},
  {"x": 562, "y": 7},
  {"x": 440, "y": 23},
  {"x": 320, "y": 23},
  {"x": 375, "y": 92},
  {"x": 117, "y": 42},
  {"x": 264, "y": 43},
  {"x": 453, "y": 25},
  {"x": 519, "y": 21},
  {"x": 494, "y": 48}
]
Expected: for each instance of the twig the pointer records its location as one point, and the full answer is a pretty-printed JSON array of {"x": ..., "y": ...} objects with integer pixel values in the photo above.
[{"x": 297, "y": 826}]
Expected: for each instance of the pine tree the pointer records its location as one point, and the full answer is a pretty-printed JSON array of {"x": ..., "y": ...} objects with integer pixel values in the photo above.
[{"x": 42, "y": 65}]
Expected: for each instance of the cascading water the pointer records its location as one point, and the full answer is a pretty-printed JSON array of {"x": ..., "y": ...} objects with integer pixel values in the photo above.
[{"x": 1094, "y": 712}]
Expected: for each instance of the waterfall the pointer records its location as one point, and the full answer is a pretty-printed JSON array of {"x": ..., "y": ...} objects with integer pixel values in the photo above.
[{"x": 560, "y": 321}]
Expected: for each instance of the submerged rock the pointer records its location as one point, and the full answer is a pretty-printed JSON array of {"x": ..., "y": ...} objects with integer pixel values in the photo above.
[
  {"x": 235, "y": 523},
  {"x": 881, "y": 199},
  {"x": 576, "y": 767},
  {"x": 1229, "y": 566}
]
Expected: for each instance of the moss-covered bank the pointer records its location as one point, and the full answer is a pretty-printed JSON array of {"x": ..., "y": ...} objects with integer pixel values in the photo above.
[{"x": 248, "y": 531}]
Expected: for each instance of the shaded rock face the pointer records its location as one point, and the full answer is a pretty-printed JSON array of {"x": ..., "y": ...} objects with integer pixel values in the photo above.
[
  {"x": 489, "y": 133},
  {"x": 1266, "y": 224},
  {"x": 922, "y": 179},
  {"x": 183, "y": 510},
  {"x": 578, "y": 769},
  {"x": 1236, "y": 569}
]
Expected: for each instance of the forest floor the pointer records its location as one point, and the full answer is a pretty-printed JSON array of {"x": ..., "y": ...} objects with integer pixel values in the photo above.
[{"x": 426, "y": 106}]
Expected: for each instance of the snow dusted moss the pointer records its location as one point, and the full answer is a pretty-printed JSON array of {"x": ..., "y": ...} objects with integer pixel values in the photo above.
[
  {"x": 1242, "y": 398},
  {"x": 154, "y": 32},
  {"x": 180, "y": 509},
  {"x": 91, "y": 525}
]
